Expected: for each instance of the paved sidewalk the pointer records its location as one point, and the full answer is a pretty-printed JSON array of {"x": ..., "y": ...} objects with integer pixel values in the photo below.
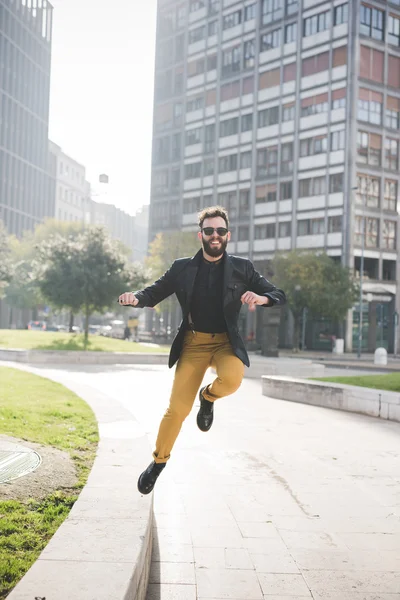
[
  {"x": 279, "y": 501},
  {"x": 346, "y": 360}
]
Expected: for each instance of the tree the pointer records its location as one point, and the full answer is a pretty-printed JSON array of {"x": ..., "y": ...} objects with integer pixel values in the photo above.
[
  {"x": 5, "y": 260},
  {"x": 316, "y": 282},
  {"x": 87, "y": 273}
]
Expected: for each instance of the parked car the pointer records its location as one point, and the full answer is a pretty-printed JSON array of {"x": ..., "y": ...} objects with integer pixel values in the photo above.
[{"x": 37, "y": 326}]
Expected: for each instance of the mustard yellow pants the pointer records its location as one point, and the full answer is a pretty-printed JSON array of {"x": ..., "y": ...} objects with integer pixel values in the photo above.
[{"x": 200, "y": 351}]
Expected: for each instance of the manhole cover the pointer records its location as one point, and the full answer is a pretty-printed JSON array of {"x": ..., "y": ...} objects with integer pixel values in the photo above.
[{"x": 16, "y": 462}]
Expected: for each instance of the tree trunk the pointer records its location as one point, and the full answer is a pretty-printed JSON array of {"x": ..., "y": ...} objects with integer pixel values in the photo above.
[
  {"x": 87, "y": 315},
  {"x": 10, "y": 318},
  {"x": 296, "y": 333},
  {"x": 71, "y": 321}
]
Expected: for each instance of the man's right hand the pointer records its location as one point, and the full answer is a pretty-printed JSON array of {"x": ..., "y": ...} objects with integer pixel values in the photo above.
[{"x": 128, "y": 298}]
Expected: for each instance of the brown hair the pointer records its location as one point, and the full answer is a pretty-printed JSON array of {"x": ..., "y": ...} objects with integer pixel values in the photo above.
[{"x": 213, "y": 211}]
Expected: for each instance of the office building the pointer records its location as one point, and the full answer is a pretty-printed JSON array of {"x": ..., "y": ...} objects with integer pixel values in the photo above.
[
  {"x": 288, "y": 114},
  {"x": 26, "y": 187}
]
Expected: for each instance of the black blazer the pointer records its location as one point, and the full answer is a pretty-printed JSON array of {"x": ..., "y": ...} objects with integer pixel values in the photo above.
[{"x": 239, "y": 277}]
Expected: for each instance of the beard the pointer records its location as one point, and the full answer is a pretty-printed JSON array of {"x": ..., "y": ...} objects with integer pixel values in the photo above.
[{"x": 215, "y": 251}]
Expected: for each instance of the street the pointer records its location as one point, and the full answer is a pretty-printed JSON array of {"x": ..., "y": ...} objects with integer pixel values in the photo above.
[{"x": 277, "y": 501}]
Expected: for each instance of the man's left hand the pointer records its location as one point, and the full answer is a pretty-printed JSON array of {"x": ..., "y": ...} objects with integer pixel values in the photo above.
[{"x": 253, "y": 300}]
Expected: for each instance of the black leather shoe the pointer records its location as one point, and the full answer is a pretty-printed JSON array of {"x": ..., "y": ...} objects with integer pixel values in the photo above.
[
  {"x": 205, "y": 416},
  {"x": 148, "y": 478}
]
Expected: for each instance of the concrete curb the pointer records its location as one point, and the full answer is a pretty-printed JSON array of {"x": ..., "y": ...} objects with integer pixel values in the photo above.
[
  {"x": 69, "y": 357},
  {"x": 103, "y": 549},
  {"x": 367, "y": 401}
]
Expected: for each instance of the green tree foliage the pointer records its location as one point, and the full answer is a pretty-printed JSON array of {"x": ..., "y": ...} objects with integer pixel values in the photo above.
[
  {"x": 86, "y": 274},
  {"x": 316, "y": 282},
  {"x": 5, "y": 260}
]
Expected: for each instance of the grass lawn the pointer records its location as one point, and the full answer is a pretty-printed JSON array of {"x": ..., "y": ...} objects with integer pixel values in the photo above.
[
  {"x": 389, "y": 382},
  {"x": 52, "y": 340},
  {"x": 38, "y": 410}
]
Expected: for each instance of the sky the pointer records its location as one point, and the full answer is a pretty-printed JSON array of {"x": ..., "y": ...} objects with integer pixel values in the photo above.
[{"x": 101, "y": 104}]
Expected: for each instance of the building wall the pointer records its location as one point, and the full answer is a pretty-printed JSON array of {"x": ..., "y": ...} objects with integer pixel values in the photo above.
[
  {"x": 71, "y": 186},
  {"x": 264, "y": 107},
  {"x": 26, "y": 189}
]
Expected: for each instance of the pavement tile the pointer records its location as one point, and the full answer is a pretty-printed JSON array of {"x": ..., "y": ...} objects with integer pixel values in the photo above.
[
  {"x": 238, "y": 558},
  {"x": 209, "y": 558},
  {"x": 217, "y": 537},
  {"x": 354, "y": 596},
  {"x": 172, "y": 572},
  {"x": 265, "y": 545},
  {"x": 228, "y": 584},
  {"x": 371, "y": 541},
  {"x": 274, "y": 563},
  {"x": 258, "y": 530},
  {"x": 333, "y": 560},
  {"x": 353, "y": 581},
  {"x": 172, "y": 536},
  {"x": 155, "y": 591},
  {"x": 171, "y": 521},
  {"x": 181, "y": 553},
  {"x": 312, "y": 540},
  {"x": 287, "y": 584}
]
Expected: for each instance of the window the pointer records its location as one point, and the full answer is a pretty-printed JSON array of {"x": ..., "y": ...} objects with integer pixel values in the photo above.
[
  {"x": 315, "y": 64},
  {"x": 316, "y": 23},
  {"x": 265, "y": 193},
  {"x": 230, "y": 61},
  {"x": 229, "y": 127},
  {"x": 267, "y": 231},
  {"x": 389, "y": 235},
  {"x": 393, "y": 112},
  {"x": 208, "y": 167},
  {"x": 336, "y": 183},
  {"x": 191, "y": 205},
  {"x": 196, "y": 35},
  {"x": 193, "y": 170},
  {"x": 310, "y": 227},
  {"x": 269, "y": 79},
  {"x": 289, "y": 72},
  {"x": 195, "y": 103},
  {"x": 285, "y": 229},
  {"x": 247, "y": 122},
  {"x": 250, "y": 12},
  {"x": 181, "y": 16},
  {"x": 394, "y": 71},
  {"x": 390, "y": 197},
  {"x": 391, "y": 154},
  {"x": 175, "y": 179},
  {"x": 209, "y": 138},
  {"x": 196, "y": 5},
  {"x": 249, "y": 54},
  {"x": 227, "y": 163},
  {"x": 287, "y": 158},
  {"x": 161, "y": 150},
  {"x": 286, "y": 190},
  {"x": 245, "y": 160},
  {"x": 338, "y": 141},
  {"x": 335, "y": 224},
  {"x": 339, "y": 98},
  {"x": 368, "y": 191},
  {"x": 314, "y": 105},
  {"x": 394, "y": 30},
  {"x": 371, "y": 230},
  {"x": 315, "y": 186},
  {"x": 243, "y": 233},
  {"x": 178, "y": 112},
  {"x": 312, "y": 146},
  {"x": 369, "y": 148},
  {"x": 193, "y": 136},
  {"x": 248, "y": 85},
  {"x": 371, "y": 22},
  {"x": 269, "y": 116},
  {"x": 211, "y": 62},
  {"x": 288, "y": 111},
  {"x": 230, "y": 91},
  {"x": 179, "y": 47},
  {"x": 196, "y": 67},
  {"x": 213, "y": 28},
  {"x": 271, "y": 11},
  {"x": 270, "y": 40},
  {"x": 244, "y": 202},
  {"x": 229, "y": 201},
  {"x": 339, "y": 56},
  {"x": 213, "y": 7},
  {"x": 211, "y": 97},
  {"x": 267, "y": 161},
  {"x": 341, "y": 14},
  {"x": 160, "y": 181},
  {"x": 290, "y": 33},
  {"x": 232, "y": 20},
  {"x": 370, "y": 106},
  {"x": 371, "y": 64},
  {"x": 292, "y": 6}
]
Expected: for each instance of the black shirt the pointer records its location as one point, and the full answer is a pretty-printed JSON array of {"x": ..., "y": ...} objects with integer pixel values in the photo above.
[{"x": 207, "y": 302}]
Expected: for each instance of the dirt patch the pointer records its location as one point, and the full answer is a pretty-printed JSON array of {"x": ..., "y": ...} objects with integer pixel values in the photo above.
[{"x": 56, "y": 472}]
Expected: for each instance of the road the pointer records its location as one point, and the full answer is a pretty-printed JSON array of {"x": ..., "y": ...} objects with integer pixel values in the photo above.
[{"x": 279, "y": 501}]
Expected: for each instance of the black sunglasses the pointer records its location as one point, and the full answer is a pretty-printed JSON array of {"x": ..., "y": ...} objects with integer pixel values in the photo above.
[{"x": 222, "y": 231}]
